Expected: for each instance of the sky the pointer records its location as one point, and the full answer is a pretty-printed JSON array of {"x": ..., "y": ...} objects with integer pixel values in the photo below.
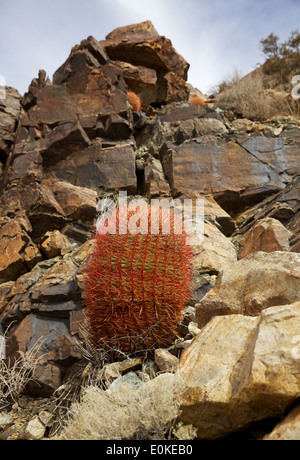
[{"x": 216, "y": 37}]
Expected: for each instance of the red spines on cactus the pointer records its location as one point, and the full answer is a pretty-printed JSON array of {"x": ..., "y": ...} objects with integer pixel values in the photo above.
[
  {"x": 197, "y": 100},
  {"x": 136, "y": 286},
  {"x": 135, "y": 101}
]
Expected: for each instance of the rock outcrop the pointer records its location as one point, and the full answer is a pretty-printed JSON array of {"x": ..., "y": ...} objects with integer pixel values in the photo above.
[{"x": 75, "y": 139}]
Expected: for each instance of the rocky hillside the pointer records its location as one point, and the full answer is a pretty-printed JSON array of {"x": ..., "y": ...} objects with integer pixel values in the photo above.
[{"x": 70, "y": 141}]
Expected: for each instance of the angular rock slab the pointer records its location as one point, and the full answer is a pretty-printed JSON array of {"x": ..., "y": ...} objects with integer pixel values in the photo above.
[
  {"x": 284, "y": 206},
  {"x": 248, "y": 286},
  {"x": 140, "y": 46},
  {"x": 99, "y": 168},
  {"x": 240, "y": 370},
  {"x": 268, "y": 235},
  {"x": 214, "y": 253}
]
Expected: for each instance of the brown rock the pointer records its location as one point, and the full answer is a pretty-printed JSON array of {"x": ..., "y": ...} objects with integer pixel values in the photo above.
[
  {"x": 141, "y": 80},
  {"x": 171, "y": 87},
  {"x": 10, "y": 112},
  {"x": 89, "y": 51},
  {"x": 215, "y": 214},
  {"x": 18, "y": 253},
  {"x": 4, "y": 291},
  {"x": 117, "y": 127},
  {"x": 283, "y": 206},
  {"x": 178, "y": 122},
  {"x": 27, "y": 167},
  {"x": 155, "y": 185},
  {"x": 268, "y": 235},
  {"x": 140, "y": 45},
  {"x": 165, "y": 360},
  {"x": 156, "y": 53},
  {"x": 248, "y": 286},
  {"x": 135, "y": 33},
  {"x": 78, "y": 203},
  {"x": 97, "y": 168},
  {"x": 57, "y": 350}
]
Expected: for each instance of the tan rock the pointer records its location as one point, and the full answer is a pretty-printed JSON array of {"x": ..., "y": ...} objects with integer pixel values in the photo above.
[
  {"x": 248, "y": 286},
  {"x": 288, "y": 429},
  {"x": 214, "y": 253},
  {"x": 205, "y": 165},
  {"x": 239, "y": 370},
  {"x": 268, "y": 235},
  {"x": 141, "y": 80}
]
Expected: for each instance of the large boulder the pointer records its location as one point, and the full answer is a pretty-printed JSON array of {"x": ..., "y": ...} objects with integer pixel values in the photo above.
[
  {"x": 283, "y": 206},
  {"x": 44, "y": 307},
  {"x": 18, "y": 253},
  {"x": 268, "y": 235},
  {"x": 262, "y": 166},
  {"x": 239, "y": 370},
  {"x": 248, "y": 286},
  {"x": 144, "y": 51},
  {"x": 10, "y": 112}
]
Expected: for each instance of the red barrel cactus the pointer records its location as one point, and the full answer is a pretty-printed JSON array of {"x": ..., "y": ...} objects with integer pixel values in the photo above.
[
  {"x": 135, "y": 101},
  {"x": 137, "y": 285}
]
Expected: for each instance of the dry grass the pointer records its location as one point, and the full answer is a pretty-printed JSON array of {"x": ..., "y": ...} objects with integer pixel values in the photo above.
[
  {"x": 248, "y": 98},
  {"x": 126, "y": 412},
  {"x": 16, "y": 374}
]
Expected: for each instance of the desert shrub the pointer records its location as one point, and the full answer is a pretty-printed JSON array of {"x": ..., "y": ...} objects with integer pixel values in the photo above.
[
  {"x": 137, "y": 285},
  {"x": 135, "y": 101},
  {"x": 197, "y": 100},
  {"x": 248, "y": 98},
  {"x": 128, "y": 413}
]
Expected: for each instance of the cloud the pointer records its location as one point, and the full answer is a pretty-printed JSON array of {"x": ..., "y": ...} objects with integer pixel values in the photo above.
[{"x": 215, "y": 37}]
